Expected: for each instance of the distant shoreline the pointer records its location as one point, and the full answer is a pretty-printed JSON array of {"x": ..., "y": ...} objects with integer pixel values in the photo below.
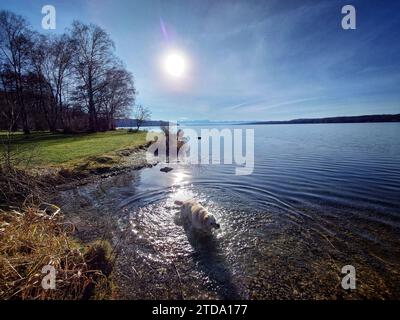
[
  {"x": 376, "y": 118},
  {"x": 344, "y": 119}
]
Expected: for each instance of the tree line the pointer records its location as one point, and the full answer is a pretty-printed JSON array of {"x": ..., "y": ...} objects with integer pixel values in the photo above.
[{"x": 69, "y": 82}]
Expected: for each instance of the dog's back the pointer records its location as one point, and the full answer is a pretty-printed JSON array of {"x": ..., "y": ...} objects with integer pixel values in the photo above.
[
  {"x": 187, "y": 207},
  {"x": 197, "y": 215}
]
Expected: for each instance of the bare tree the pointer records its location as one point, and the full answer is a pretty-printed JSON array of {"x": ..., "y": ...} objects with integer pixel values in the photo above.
[
  {"x": 11, "y": 117},
  {"x": 9, "y": 111},
  {"x": 52, "y": 64},
  {"x": 141, "y": 114},
  {"x": 118, "y": 95},
  {"x": 15, "y": 47},
  {"x": 92, "y": 61},
  {"x": 71, "y": 81}
]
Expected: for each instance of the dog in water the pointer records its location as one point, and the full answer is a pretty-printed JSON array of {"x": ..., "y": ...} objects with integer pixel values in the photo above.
[{"x": 197, "y": 215}]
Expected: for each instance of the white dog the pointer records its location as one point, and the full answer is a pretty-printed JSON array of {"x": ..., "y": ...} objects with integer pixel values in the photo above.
[{"x": 197, "y": 215}]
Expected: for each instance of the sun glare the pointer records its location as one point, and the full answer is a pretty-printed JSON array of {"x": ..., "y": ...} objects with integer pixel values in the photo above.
[{"x": 175, "y": 64}]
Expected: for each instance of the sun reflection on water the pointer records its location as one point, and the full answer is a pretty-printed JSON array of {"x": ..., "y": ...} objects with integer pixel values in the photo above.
[{"x": 179, "y": 177}]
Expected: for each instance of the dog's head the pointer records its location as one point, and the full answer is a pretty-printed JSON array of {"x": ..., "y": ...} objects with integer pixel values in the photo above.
[{"x": 211, "y": 222}]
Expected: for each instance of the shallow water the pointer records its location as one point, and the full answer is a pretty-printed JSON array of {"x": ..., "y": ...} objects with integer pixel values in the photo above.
[{"x": 321, "y": 196}]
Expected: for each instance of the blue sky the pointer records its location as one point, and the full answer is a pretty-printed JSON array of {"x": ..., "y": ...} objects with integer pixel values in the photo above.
[{"x": 249, "y": 60}]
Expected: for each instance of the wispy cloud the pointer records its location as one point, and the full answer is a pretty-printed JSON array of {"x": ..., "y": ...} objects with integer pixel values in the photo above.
[{"x": 263, "y": 105}]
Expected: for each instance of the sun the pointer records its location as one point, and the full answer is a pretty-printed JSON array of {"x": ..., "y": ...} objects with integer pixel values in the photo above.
[{"x": 175, "y": 64}]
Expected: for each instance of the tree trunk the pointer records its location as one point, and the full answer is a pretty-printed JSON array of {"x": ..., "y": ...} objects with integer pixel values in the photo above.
[{"x": 92, "y": 115}]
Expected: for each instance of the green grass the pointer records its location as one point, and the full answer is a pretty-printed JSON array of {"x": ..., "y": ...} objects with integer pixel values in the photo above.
[{"x": 46, "y": 149}]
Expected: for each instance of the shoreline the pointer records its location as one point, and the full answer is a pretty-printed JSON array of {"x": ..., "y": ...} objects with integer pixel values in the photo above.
[
  {"x": 91, "y": 227},
  {"x": 96, "y": 252},
  {"x": 85, "y": 173}
]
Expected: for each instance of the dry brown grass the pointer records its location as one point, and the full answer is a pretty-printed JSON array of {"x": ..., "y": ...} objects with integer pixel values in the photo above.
[
  {"x": 16, "y": 187},
  {"x": 36, "y": 237}
]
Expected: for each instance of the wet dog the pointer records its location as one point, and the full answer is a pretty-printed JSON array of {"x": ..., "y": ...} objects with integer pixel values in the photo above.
[{"x": 197, "y": 215}]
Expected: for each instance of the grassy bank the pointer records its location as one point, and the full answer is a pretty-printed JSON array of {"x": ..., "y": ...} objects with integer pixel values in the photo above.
[
  {"x": 32, "y": 235},
  {"x": 41, "y": 149}
]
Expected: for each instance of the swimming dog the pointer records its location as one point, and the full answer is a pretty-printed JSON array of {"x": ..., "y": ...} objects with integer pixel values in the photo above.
[{"x": 197, "y": 215}]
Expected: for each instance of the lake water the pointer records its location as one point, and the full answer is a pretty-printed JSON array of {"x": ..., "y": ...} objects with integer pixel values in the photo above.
[{"x": 321, "y": 196}]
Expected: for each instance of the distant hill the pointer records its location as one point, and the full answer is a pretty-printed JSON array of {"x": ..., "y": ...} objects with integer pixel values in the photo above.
[
  {"x": 349, "y": 119},
  {"x": 132, "y": 123},
  {"x": 344, "y": 119}
]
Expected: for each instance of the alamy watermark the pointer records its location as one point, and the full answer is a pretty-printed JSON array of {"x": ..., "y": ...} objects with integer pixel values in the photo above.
[
  {"x": 212, "y": 146},
  {"x": 349, "y": 280},
  {"x": 49, "y": 19},
  {"x": 349, "y": 20},
  {"x": 49, "y": 280}
]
